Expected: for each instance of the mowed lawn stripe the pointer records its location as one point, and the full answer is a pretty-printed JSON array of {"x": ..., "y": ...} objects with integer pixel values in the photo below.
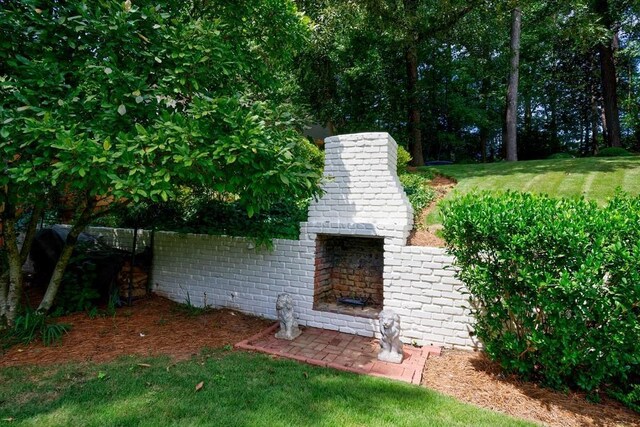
[
  {"x": 548, "y": 183},
  {"x": 604, "y": 185},
  {"x": 631, "y": 181},
  {"x": 595, "y": 178}
]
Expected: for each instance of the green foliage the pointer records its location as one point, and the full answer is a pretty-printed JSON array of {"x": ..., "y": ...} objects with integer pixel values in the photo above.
[
  {"x": 614, "y": 152},
  {"x": 32, "y": 325},
  {"x": 417, "y": 188},
  {"x": 123, "y": 102},
  {"x": 403, "y": 159},
  {"x": 131, "y": 101},
  {"x": 553, "y": 284},
  {"x": 78, "y": 291},
  {"x": 556, "y": 156},
  {"x": 205, "y": 213}
]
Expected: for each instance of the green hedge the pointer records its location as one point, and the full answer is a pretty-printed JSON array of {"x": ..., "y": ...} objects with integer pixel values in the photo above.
[
  {"x": 555, "y": 286},
  {"x": 613, "y": 152}
]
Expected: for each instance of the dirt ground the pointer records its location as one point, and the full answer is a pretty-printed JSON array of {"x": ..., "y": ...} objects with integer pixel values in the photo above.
[{"x": 426, "y": 236}]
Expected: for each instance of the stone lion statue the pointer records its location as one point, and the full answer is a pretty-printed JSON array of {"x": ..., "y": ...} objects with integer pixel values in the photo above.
[
  {"x": 288, "y": 324},
  {"x": 390, "y": 344}
]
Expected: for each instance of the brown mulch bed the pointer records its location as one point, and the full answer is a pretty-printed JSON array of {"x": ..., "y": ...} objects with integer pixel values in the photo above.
[
  {"x": 471, "y": 377},
  {"x": 151, "y": 327},
  {"x": 427, "y": 237}
]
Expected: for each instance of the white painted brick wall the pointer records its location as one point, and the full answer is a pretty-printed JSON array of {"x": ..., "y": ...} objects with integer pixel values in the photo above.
[
  {"x": 225, "y": 271},
  {"x": 362, "y": 189}
]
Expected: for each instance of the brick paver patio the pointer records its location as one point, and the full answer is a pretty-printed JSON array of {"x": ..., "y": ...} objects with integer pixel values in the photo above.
[{"x": 341, "y": 351}]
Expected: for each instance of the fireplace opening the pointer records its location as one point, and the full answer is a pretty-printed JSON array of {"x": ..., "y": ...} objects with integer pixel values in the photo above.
[{"x": 348, "y": 275}]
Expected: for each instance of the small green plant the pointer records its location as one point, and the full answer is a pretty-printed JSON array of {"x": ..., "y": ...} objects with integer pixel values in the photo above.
[
  {"x": 188, "y": 308},
  {"x": 614, "y": 152},
  {"x": 403, "y": 159},
  {"x": 78, "y": 292},
  {"x": 32, "y": 325},
  {"x": 418, "y": 191}
]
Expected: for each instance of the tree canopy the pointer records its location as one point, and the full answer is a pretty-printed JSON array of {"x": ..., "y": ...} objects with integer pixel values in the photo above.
[
  {"x": 115, "y": 102},
  {"x": 578, "y": 71}
]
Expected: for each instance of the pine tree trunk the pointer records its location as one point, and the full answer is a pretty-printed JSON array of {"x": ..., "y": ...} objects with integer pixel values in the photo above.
[
  {"x": 415, "y": 133},
  {"x": 484, "y": 137},
  {"x": 511, "y": 118},
  {"x": 608, "y": 77},
  {"x": 411, "y": 70},
  {"x": 609, "y": 93}
]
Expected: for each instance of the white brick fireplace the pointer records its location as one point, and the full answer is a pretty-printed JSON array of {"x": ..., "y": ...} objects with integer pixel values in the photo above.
[{"x": 355, "y": 233}]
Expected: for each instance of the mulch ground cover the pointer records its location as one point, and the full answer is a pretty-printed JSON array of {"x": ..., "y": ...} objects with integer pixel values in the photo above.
[
  {"x": 150, "y": 327},
  {"x": 472, "y": 378}
]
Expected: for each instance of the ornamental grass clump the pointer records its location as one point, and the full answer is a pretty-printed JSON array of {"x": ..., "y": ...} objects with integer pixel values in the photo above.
[{"x": 554, "y": 286}]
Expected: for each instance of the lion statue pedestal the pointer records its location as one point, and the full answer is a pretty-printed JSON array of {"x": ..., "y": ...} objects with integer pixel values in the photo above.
[
  {"x": 288, "y": 324},
  {"x": 390, "y": 344}
]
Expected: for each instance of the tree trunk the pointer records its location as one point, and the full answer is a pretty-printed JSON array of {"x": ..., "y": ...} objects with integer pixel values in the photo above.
[
  {"x": 594, "y": 124},
  {"x": 605, "y": 131},
  {"x": 4, "y": 294},
  {"x": 528, "y": 115},
  {"x": 65, "y": 256},
  {"x": 411, "y": 69},
  {"x": 609, "y": 93},
  {"x": 511, "y": 117},
  {"x": 415, "y": 133},
  {"x": 608, "y": 77},
  {"x": 15, "y": 282},
  {"x": 484, "y": 137}
]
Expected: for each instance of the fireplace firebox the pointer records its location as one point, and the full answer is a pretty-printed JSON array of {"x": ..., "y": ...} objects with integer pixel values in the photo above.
[{"x": 348, "y": 275}]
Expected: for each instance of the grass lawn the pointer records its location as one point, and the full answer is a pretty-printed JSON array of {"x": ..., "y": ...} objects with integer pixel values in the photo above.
[
  {"x": 595, "y": 178},
  {"x": 240, "y": 389}
]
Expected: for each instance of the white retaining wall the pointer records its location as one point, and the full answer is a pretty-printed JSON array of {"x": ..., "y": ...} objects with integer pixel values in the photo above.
[{"x": 222, "y": 271}]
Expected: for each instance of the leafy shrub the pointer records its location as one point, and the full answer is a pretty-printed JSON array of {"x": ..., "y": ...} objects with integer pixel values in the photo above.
[
  {"x": 614, "y": 152},
  {"x": 204, "y": 213},
  {"x": 554, "y": 285},
  {"x": 418, "y": 191},
  {"x": 403, "y": 159},
  {"x": 556, "y": 156},
  {"x": 78, "y": 292},
  {"x": 32, "y": 325}
]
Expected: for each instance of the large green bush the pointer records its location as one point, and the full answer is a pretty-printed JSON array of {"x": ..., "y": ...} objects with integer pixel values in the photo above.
[{"x": 554, "y": 284}]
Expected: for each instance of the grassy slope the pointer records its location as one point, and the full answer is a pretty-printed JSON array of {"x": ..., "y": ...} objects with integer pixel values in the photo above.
[
  {"x": 595, "y": 178},
  {"x": 240, "y": 389}
]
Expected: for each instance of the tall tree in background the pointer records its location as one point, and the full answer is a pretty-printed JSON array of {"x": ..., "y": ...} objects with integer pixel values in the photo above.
[
  {"x": 437, "y": 71},
  {"x": 606, "y": 50},
  {"x": 511, "y": 114}
]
